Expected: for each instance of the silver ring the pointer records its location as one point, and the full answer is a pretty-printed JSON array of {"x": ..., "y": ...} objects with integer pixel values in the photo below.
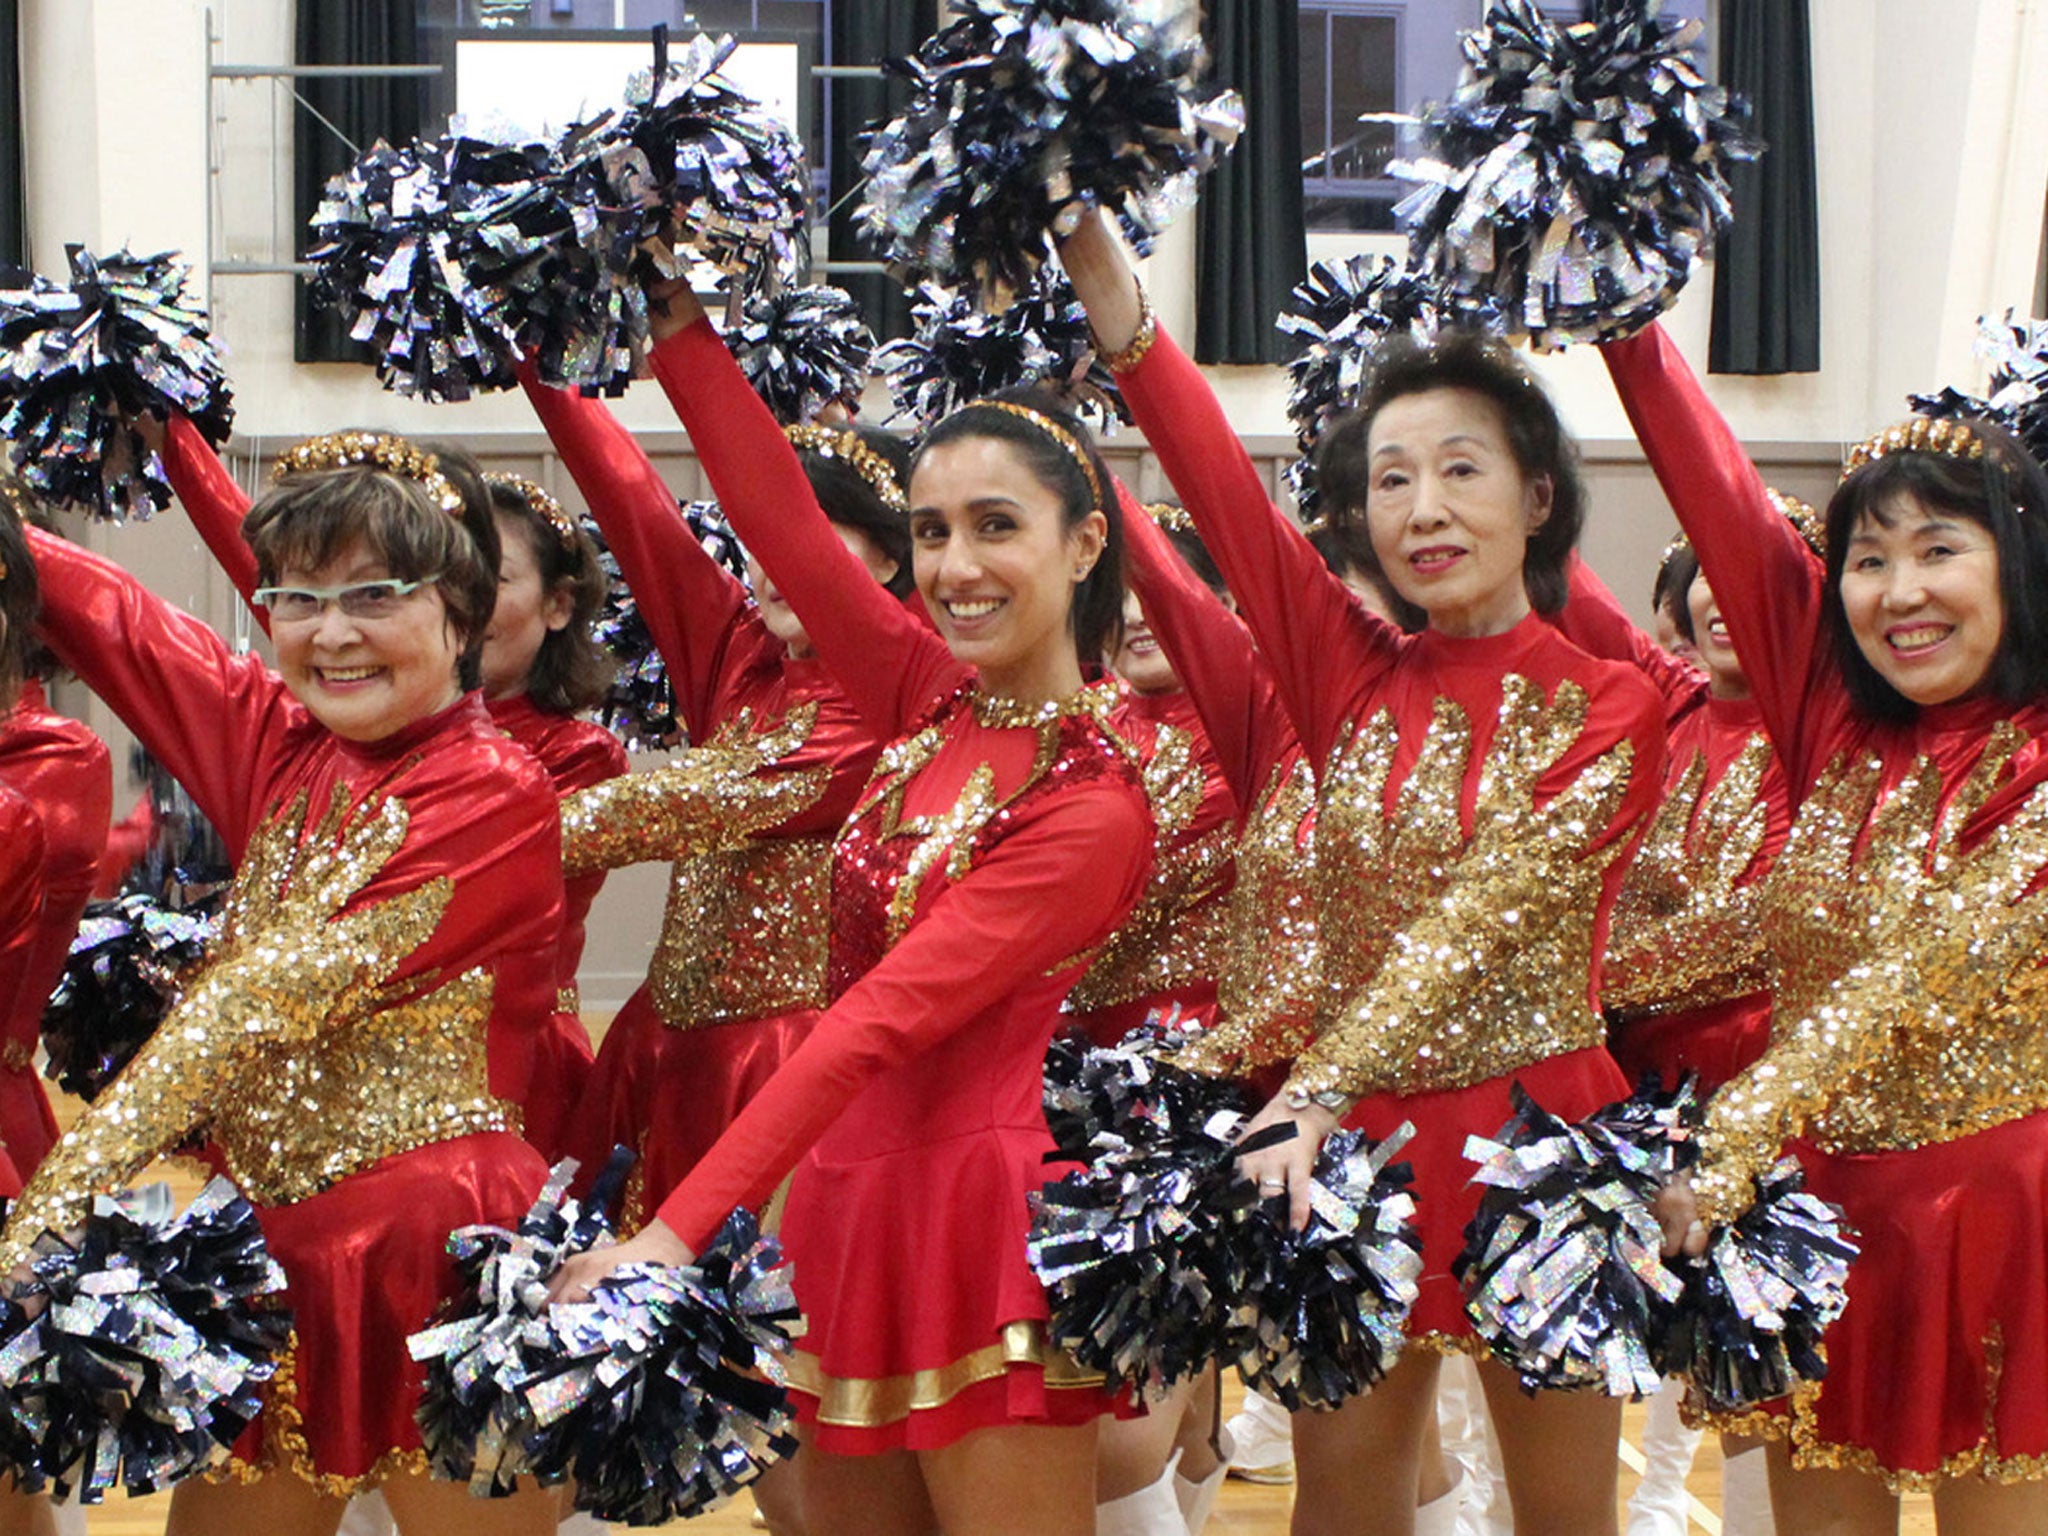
[{"x": 1272, "y": 1183}]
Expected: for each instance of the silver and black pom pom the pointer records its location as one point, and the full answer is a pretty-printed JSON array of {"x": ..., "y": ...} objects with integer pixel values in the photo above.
[
  {"x": 117, "y": 984},
  {"x": 1024, "y": 115},
  {"x": 1135, "y": 1249},
  {"x": 1321, "y": 1314},
  {"x": 1575, "y": 176},
  {"x": 962, "y": 352},
  {"x": 2017, "y": 351},
  {"x": 1756, "y": 1304},
  {"x": 155, "y": 1335},
  {"x": 1341, "y": 314},
  {"x": 1562, "y": 1270},
  {"x": 78, "y": 364},
  {"x": 804, "y": 349}
]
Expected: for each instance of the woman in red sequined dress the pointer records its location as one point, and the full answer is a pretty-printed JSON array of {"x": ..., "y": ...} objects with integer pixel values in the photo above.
[
  {"x": 541, "y": 672},
  {"x": 356, "y": 1046},
  {"x": 738, "y": 974},
  {"x": 1480, "y": 785},
  {"x": 1904, "y": 684},
  {"x": 1003, "y": 837}
]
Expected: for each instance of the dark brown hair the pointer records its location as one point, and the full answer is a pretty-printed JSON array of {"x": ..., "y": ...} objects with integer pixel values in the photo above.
[
  {"x": 20, "y": 601},
  {"x": 851, "y": 502},
  {"x": 1536, "y": 437},
  {"x": 1097, "y": 616},
  {"x": 1671, "y": 593},
  {"x": 571, "y": 672}
]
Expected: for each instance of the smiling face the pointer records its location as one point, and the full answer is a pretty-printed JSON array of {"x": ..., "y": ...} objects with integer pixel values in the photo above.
[
  {"x": 1139, "y": 659},
  {"x": 1450, "y": 511},
  {"x": 1712, "y": 647},
  {"x": 997, "y": 566},
  {"x": 526, "y": 613},
  {"x": 1920, "y": 590},
  {"x": 781, "y": 619},
  {"x": 366, "y": 678}
]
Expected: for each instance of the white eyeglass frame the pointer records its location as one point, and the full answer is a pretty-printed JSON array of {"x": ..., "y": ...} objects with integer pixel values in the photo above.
[{"x": 392, "y": 586}]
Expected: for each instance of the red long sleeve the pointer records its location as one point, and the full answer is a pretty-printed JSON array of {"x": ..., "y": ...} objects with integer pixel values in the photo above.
[
  {"x": 1320, "y": 644},
  {"x": 1043, "y": 894},
  {"x": 1594, "y": 620},
  {"x": 890, "y": 666},
  {"x": 1213, "y": 653},
  {"x": 194, "y": 703},
  {"x": 1766, "y": 581},
  {"x": 694, "y": 609},
  {"x": 21, "y": 903},
  {"x": 215, "y": 504}
]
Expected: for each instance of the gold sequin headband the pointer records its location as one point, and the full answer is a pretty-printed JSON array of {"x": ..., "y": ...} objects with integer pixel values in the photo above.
[
  {"x": 1804, "y": 520},
  {"x": 394, "y": 455},
  {"x": 1170, "y": 517},
  {"x": 1923, "y": 434},
  {"x": 846, "y": 446},
  {"x": 1053, "y": 430},
  {"x": 539, "y": 502}
]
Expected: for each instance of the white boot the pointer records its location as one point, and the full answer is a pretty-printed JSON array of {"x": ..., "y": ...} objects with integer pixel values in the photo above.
[
  {"x": 70, "y": 1518},
  {"x": 1264, "y": 1439},
  {"x": 367, "y": 1515},
  {"x": 1659, "y": 1506},
  {"x": 1439, "y": 1517},
  {"x": 1196, "y": 1500},
  {"x": 1151, "y": 1511},
  {"x": 578, "y": 1523},
  {"x": 1746, "y": 1495}
]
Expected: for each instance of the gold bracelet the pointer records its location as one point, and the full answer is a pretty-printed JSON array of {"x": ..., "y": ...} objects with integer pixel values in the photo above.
[{"x": 1141, "y": 343}]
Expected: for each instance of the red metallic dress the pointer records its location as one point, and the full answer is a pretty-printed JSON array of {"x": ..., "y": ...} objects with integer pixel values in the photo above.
[
  {"x": 22, "y": 868},
  {"x": 996, "y": 848},
  {"x": 1908, "y": 1068},
  {"x": 1686, "y": 985},
  {"x": 738, "y": 974},
  {"x": 1477, "y": 801},
  {"x": 576, "y": 753},
  {"x": 61, "y": 768},
  {"x": 356, "y": 1047}
]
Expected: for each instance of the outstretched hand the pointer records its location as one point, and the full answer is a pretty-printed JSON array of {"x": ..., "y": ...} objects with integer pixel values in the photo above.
[
  {"x": 656, "y": 1243},
  {"x": 1286, "y": 1170}
]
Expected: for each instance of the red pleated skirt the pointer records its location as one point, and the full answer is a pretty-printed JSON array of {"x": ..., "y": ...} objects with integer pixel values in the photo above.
[
  {"x": 365, "y": 1265},
  {"x": 561, "y": 1074},
  {"x": 1938, "y": 1367},
  {"x": 1570, "y": 1086},
  {"x": 670, "y": 1093}
]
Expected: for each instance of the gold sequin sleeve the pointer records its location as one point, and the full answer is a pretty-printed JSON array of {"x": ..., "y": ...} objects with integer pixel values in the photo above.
[
  {"x": 284, "y": 961},
  {"x": 1909, "y": 940},
  {"x": 1491, "y": 972},
  {"x": 705, "y": 800}
]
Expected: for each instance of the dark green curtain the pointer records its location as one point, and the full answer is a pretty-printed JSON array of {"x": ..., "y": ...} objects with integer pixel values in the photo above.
[
  {"x": 867, "y": 32},
  {"x": 1767, "y": 277},
  {"x": 1251, "y": 245},
  {"x": 363, "y": 110},
  {"x": 13, "y": 190}
]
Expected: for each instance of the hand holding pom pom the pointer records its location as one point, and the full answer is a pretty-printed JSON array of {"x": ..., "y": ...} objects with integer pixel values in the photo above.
[{"x": 1575, "y": 175}]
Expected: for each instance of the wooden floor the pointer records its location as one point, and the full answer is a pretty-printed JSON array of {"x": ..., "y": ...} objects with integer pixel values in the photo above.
[{"x": 1245, "y": 1509}]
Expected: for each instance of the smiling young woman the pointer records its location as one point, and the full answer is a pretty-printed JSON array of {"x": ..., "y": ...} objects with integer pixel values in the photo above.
[
  {"x": 1904, "y": 684},
  {"x": 1003, "y": 836},
  {"x": 1479, "y": 785},
  {"x": 356, "y": 1047}
]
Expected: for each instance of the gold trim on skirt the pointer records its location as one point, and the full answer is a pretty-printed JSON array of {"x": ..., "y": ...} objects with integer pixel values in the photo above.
[{"x": 857, "y": 1402}]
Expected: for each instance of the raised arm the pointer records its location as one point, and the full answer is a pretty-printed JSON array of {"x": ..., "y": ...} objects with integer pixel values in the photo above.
[
  {"x": 1765, "y": 580},
  {"x": 1594, "y": 620},
  {"x": 1042, "y": 896},
  {"x": 215, "y": 504},
  {"x": 1213, "y": 654},
  {"x": 693, "y": 607},
  {"x": 191, "y": 700},
  {"x": 1320, "y": 644},
  {"x": 888, "y": 664}
]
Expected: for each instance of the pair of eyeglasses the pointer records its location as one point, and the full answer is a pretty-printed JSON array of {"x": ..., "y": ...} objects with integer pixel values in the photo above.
[{"x": 359, "y": 599}]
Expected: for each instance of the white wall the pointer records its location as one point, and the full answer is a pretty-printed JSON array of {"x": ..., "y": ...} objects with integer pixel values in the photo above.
[{"x": 1933, "y": 158}]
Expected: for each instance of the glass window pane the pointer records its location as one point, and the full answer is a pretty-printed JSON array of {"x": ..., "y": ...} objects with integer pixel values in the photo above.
[
  {"x": 1315, "y": 74},
  {"x": 1363, "y": 65}
]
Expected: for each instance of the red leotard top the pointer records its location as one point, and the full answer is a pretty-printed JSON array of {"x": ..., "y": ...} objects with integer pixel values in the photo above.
[{"x": 21, "y": 903}]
